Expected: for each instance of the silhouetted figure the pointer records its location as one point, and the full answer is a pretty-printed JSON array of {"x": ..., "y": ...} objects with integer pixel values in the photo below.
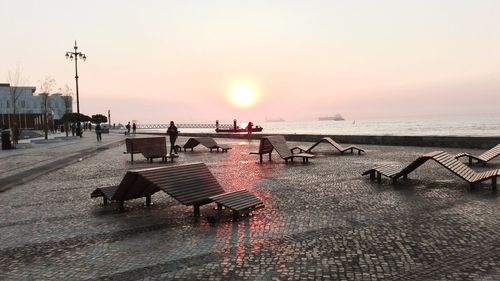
[
  {"x": 249, "y": 127},
  {"x": 173, "y": 133},
  {"x": 134, "y": 127},
  {"x": 128, "y": 128},
  {"x": 98, "y": 132},
  {"x": 72, "y": 129},
  {"x": 90, "y": 126}
]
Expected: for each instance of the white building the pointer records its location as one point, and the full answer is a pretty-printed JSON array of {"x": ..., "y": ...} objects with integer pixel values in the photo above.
[{"x": 29, "y": 107}]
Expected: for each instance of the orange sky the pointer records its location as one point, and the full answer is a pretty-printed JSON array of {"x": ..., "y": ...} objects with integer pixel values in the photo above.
[{"x": 175, "y": 60}]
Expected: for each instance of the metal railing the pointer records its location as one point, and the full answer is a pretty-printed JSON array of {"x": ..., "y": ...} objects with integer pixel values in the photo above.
[{"x": 200, "y": 126}]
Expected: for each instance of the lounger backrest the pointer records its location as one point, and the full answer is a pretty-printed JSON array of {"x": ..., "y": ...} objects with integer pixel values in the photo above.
[
  {"x": 207, "y": 141},
  {"x": 189, "y": 183},
  {"x": 137, "y": 144},
  {"x": 132, "y": 187},
  {"x": 334, "y": 143},
  {"x": 279, "y": 143},
  {"x": 192, "y": 142},
  {"x": 490, "y": 154},
  {"x": 265, "y": 146},
  {"x": 454, "y": 165}
]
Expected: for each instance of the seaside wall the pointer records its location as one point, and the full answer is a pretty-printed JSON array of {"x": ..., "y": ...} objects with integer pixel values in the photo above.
[{"x": 427, "y": 141}]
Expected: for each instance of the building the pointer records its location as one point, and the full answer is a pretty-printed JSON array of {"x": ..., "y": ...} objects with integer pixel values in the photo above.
[{"x": 29, "y": 108}]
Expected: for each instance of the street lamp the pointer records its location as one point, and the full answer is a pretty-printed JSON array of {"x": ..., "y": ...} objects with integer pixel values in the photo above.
[{"x": 76, "y": 55}]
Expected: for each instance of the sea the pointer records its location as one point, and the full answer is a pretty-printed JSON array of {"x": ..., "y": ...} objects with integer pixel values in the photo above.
[{"x": 459, "y": 126}]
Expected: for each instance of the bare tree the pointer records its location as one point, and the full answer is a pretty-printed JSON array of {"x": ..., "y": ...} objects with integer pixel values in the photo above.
[
  {"x": 15, "y": 79},
  {"x": 46, "y": 87}
]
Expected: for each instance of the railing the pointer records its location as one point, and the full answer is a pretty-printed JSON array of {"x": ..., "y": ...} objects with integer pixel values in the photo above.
[{"x": 201, "y": 126}]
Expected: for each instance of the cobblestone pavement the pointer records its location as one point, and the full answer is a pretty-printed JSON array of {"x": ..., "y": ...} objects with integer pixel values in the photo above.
[{"x": 321, "y": 221}]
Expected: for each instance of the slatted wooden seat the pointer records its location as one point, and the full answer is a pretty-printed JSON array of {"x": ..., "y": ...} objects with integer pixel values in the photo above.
[
  {"x": 278, "y": 143},
  {"x": 132, "y": 186},
  {"x": 194, "y": 184},
  {"x": 150, "y": 147},
  {"x": 207, "y": 142},
  {"x": 335, "y": 145},
  {"x": 445, "y": 160},
  {"x": 483, "y": 158}
]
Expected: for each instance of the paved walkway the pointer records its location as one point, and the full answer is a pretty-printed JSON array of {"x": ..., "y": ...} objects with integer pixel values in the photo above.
[{"x": 322, "y": 221}]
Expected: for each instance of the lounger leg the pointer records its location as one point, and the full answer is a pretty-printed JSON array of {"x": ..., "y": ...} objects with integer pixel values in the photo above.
[
  {"x": 372, "y": 175},
  {"x": 303, "y": 160},
  {"x": 352, "y": 150},
  {"x": 196, "y": 210},
  {"x": 269, "y": 156},
  {"x": 121, "y": 205},
  {"x": 359, "y": 152},
  {"x": 405, "y": 176},
  {"x": 260, "y": 158},
  {"x": 494, "y": 184},
  {"x": 470, "y": 160},
  {"x": 105, "y": 200},
  {"x": 131, "y": 158},
  {"x": 219, "y": 206},
  {"x": 148, "y": 200},
  {"x": 394, "y": 180},
  {"x": 236, "y": 215},
  {"x": 379, "y": 177}
]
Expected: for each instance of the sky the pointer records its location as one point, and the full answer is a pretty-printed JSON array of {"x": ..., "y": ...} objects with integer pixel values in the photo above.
[{"x": 156, "y": 61}]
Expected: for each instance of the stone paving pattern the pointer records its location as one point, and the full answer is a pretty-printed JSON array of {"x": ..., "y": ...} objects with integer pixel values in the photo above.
[{"x": 321, "y": 221}]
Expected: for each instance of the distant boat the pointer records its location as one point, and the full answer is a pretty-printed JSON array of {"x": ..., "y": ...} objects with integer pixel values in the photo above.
[
  {"x": 276, "y": 120},
  {"x": 337, "y": 117}
]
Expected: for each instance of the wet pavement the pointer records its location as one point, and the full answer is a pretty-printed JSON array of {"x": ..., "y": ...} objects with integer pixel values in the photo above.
[{"x": 321, "y": 221}]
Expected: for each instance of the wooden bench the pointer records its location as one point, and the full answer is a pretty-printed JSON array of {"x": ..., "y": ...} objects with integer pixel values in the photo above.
[
  {"x": 194, "y": 185},
  {"x": 333, "y": 143},
  {"x": 278, "y": 143},
  {"x": 150, "y": 148},
  {"x": 208, "y": 142},
  {"x": 131, "y": 187},
  {"x": 445, "y": 160},
  {"x": 483, "y": 158}
]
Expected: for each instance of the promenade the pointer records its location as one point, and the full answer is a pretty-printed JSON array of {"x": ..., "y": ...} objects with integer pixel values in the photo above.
[{"x": 321, "y": 221}]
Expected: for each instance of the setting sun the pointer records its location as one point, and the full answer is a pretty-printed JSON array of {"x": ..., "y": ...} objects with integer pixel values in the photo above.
[{"x": 243, "y": 95}]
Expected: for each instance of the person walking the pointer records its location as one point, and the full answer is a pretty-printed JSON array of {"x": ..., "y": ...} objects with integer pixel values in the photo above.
[
  {"x": 128, "y": 128},
  {"x": 98, "y": 132},
  {"x": 134, "y": 127},
  {"x": 173, "y": 133}
]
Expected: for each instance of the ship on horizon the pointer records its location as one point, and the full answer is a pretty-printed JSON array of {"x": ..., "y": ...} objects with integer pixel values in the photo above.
[{"x": 337, "y": 117}]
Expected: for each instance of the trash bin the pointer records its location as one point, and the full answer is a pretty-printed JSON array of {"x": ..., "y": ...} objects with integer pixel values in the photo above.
[{"x": 6, "y": 142}]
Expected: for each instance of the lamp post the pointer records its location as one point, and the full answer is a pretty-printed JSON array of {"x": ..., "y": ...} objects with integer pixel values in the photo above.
[{"x": 76, "y": 55}]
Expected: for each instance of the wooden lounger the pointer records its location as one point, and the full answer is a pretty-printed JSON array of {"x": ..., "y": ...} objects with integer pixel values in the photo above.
[
  {"x": 194, "y": 184},
  {"x": 191, "y": 184},
  {"x": 278, "y": 143},
  {"x": 132, "y": 186},
  {"x": 445, "y": 160},
  {"x": 337, "y": 146},
  {"x": 483, "y": 158},
  {"x": 207, "y": 142}
]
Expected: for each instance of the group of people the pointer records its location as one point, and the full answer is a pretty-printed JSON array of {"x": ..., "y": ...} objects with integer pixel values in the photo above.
[{"x": 134, "y": 128}]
